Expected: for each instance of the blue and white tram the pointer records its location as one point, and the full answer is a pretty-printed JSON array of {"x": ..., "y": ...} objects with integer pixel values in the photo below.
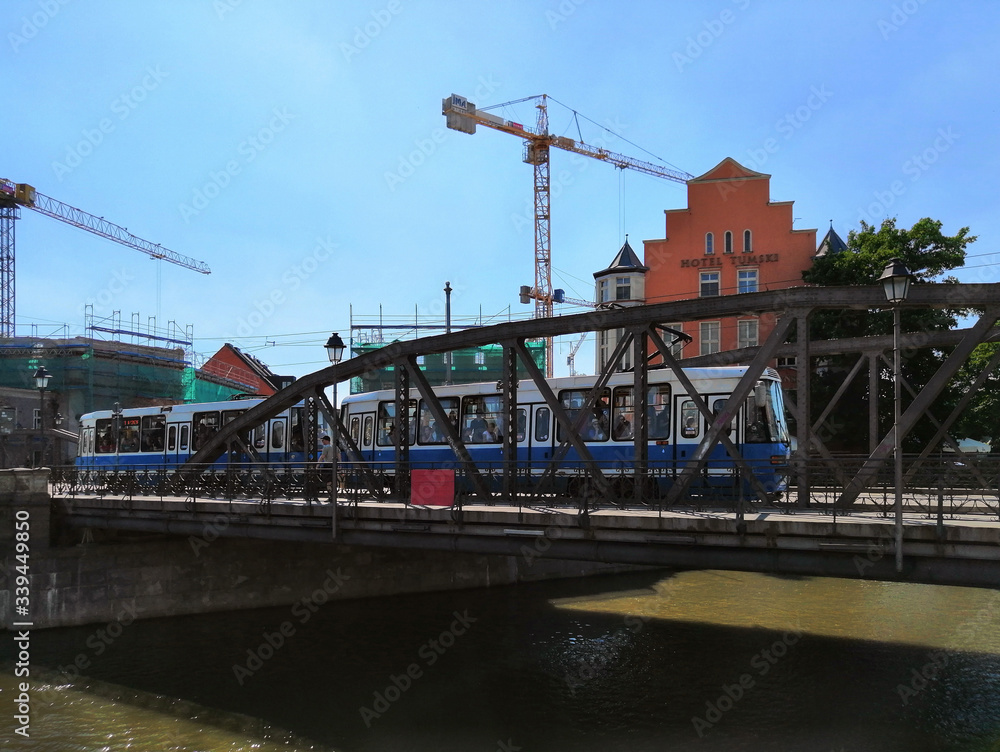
[
  {"x": 169, "y": 435},
  {"x": 675, "y": 427}
]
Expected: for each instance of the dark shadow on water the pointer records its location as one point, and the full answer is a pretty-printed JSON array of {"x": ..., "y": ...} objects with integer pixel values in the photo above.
[{"x": 474, "y": 669}]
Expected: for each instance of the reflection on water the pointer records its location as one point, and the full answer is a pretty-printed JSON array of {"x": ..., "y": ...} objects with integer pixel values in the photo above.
[{"x": 650, "y": 661}]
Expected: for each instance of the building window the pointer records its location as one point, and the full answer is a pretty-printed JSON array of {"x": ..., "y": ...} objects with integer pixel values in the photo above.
[
  {"x": 709, "y": 337},
  {"x": 603, "y": 291},
  {"x": 747, "y": 244},
  {"x": 746, "y": 280},
  {"x": 623, "y": 288},
  {"x": 36, "y": 419},
  {"x": 709, "y": 243},
  {"x": 747, "y": 333},
  {"x": 787, "y": 362},
  {"x": 709, "y": 284},
  {"x": 729, "y": 242},
  {"x": 676, "y": 348},
  {"x": 480, "y": 358}
]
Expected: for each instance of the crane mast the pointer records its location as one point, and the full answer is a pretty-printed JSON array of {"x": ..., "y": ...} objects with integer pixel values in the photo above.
[
  {"x": 462, "y": 115},
  {"x": 15, "y": 195}
]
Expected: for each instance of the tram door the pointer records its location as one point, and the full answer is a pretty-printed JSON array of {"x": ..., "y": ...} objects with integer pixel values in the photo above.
[
  {"x": 721, "y": 463},
  {"x": 688, "y": 430}
]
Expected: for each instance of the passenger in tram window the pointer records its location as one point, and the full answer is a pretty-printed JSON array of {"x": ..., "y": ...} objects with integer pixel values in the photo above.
[
  {"x": 623, "y": 428},
  {"x": 491, "y": 434},
  {"x": 478, "y": 427},
  {"x": 659, "y": 421},
  {"x": 453, "y": 417},
  {"x": 593, "y": 430}
]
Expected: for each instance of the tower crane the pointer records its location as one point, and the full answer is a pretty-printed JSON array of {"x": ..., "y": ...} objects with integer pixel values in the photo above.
[
  {"x": 15, "y": 195},
  {"x": 462, "y": 115}
]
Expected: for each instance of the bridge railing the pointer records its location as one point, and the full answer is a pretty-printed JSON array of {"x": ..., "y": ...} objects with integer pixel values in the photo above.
[{"x": 945, "y": 484}]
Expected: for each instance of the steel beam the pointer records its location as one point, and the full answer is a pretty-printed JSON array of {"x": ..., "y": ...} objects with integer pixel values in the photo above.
[
  {"x": 723, "y": 420},
  {"x": 401, "y": 427},
  {"x": 919, "y": 406},
  {"x": 450, "y": 430}
]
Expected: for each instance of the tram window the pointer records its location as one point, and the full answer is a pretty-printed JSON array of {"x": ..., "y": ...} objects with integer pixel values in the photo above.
[
  {"x": 595, "y": 426},
  {"x": 355, "y": 429},
  {"x": 623, "y": 413},
  {"x": 206, "y": 425},
  {"x": 756, "y": 422},
  {"x": 260, "y": 436},
  {"x": 387, "y": 422},
  {"x": 152, "y": 432},
  {"x": 430, "y": 431},
  {"x": 368, "y": 430},
  {"x": 482, "y": 419},
  {"x": 171, "y": 438},
  {"x": 689, "y": 419},
  {"x": 658, "y": 410},
  {"x": 522, "y": 423},
  {"x": 185, "y": 432},
  {"x": 278, "y": 435},
  {"x": 542, "y": 417},
  {"x": 719, "y": 406},
  {"x": 105, "y": 436},
  {"x": 296, "y": 426},
  {"x": 128, "y": 439}
]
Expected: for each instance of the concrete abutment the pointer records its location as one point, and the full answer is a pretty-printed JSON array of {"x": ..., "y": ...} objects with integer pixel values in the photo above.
[{"x": 114, "y": 579}]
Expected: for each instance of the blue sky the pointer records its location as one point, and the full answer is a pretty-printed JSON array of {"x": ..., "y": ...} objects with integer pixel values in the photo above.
[{"x": 298, "y": 148}]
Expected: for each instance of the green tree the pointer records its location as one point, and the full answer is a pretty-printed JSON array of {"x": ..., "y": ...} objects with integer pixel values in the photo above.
[{"x": 928, "y": 253}]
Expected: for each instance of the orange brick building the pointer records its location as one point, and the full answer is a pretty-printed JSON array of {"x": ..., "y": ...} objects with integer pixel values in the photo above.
[{"x": 730, "y": 239}]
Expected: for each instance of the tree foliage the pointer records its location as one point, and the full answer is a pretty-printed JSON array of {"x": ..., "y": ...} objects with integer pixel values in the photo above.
[{"x": 929, "y": 254}]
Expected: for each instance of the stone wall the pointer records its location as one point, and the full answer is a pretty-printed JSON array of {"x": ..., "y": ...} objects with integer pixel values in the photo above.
[{"x": 168, "y": 575}]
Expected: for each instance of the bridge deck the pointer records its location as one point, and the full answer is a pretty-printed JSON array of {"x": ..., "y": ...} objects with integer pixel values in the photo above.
[{"x": 964, "y": 550}]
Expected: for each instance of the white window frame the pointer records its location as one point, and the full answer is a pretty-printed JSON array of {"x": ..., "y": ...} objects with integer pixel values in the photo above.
[
  {"x": 709, "y": 278},
  {"x": 745, "y": 275},
  {"x": 747, "y": 333},
  {"x": 710, "y": 337}
]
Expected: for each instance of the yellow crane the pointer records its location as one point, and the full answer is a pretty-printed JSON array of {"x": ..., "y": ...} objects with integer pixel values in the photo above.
[
  {"x": 462, "y": 115},
  {"x": 15, "y": 195}
]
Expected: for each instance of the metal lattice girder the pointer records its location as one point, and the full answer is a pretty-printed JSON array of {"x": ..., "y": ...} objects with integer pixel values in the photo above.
[
  {"x": 854, "y": 298},
  {"x": 718, "y": 424},
  {"x": 817, "y": 442},
  {"x": 401, "y": 427},
  {"x": 963, "y": 403},
  {"x": 349, "y": 446},
  {"x": 919, "y": 406},
  {"x": 572, "y": 436},
  {"x": 640, "y": 407},
  {"x": 509, "y": 438},
  {"x": 449, "y": 429}
]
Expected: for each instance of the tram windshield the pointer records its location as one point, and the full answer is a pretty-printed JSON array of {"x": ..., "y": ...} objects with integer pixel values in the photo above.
[{"x": 765, "y": 415}]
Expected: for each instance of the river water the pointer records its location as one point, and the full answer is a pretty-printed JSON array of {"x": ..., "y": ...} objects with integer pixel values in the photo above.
[{"x": 645, "y": 661}]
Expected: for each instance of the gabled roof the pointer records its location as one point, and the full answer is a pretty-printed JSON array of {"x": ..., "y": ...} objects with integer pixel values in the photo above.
[
  {"x": 831, "y": 244},
  {"x": 626, "y": 260},
  {"x": 728, "y": 169}
]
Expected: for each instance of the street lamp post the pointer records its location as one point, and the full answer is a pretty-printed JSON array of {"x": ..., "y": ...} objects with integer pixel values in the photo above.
[
  {"x": 895, "y": 281},
  {"x": 42, "y": 377},
  {"x": 335, "y": 351}
]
